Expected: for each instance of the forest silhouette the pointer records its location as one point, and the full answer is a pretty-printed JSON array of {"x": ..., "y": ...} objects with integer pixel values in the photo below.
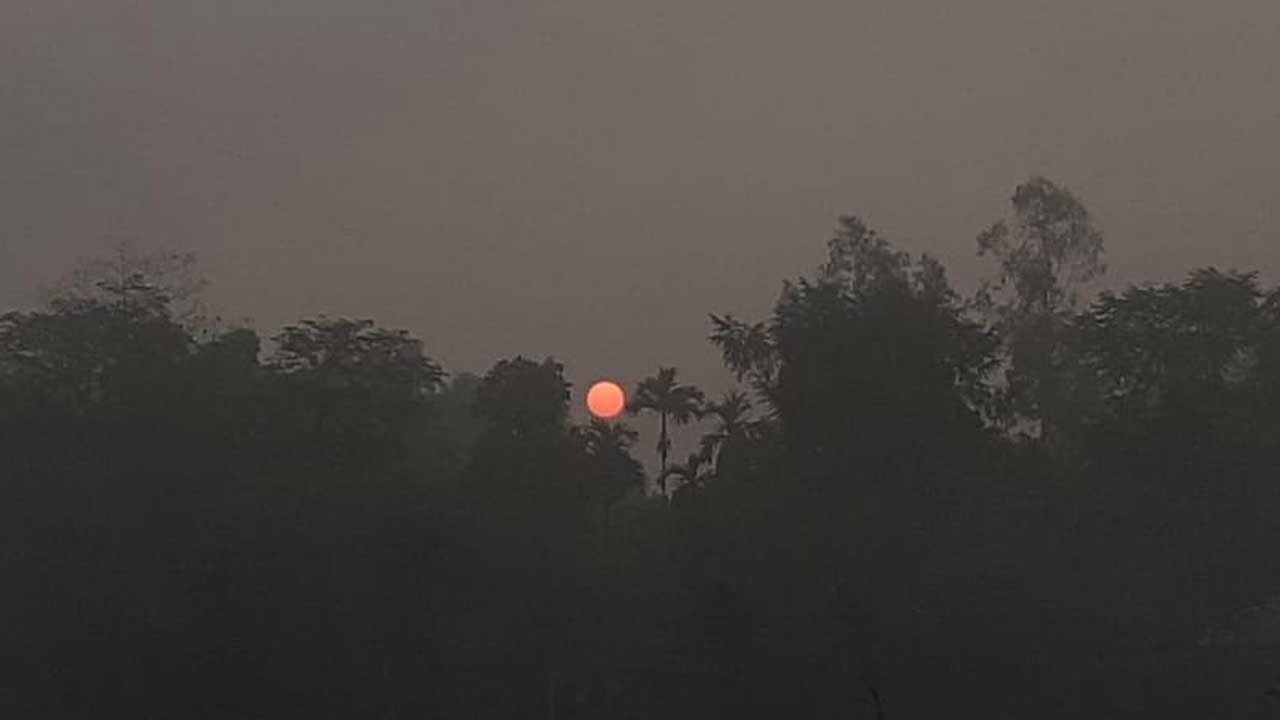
[{"x": 1035, "y": 501}]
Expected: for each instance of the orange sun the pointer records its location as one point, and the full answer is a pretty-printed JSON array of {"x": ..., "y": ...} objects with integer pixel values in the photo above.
[{"x": 606, "y": 400}]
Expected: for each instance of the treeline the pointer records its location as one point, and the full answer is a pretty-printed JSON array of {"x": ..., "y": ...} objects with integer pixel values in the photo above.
[{"x": 1025, "y": 503}]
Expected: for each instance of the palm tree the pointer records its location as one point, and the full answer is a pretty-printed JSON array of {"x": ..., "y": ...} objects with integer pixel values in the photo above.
[
  {"x": 733, "y": 425},
  {"x": 604, "y": 438},
  {"x": 612, "y": 470},
  {"x": 691, "y": 473},
  {"x": 609, "y": 445},
  {"x": 661, "y": 394}
]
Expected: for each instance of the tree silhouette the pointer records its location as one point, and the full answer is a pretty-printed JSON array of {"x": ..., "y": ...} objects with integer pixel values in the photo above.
[
  {"x": 610, "y": 470},
  {"x": 352, "y": 387},
  {"x": 693, "y": 473},
  {"x": 870, "y": 356},
  {"x": 608, "y": 445},
  {"x": 131, "y": 278},
  {"x": 663, "y": 395},
  {"x": 87, "y": 353},
  {"x": 521, "y": 398},
  {"x": 357, "y": 352},
  {"x": 525, "y": 462},
  {"x": 1045, "y": 252},
  {"x": 750, "y": 351},
  {"x": 733, "y": 426},
  {"x": 1168, "y": 369},
  {"x": 611, "y": 441}
]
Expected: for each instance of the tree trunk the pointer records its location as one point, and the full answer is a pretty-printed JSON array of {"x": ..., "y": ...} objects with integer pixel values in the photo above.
[{"x": 663, "y": 443}]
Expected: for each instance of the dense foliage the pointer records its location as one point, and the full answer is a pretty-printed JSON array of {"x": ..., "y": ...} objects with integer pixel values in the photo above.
[{"x": 1028, "y": 503}]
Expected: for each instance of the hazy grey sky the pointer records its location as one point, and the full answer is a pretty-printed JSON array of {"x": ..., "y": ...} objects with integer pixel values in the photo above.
[{"x": 589, "y": 178}]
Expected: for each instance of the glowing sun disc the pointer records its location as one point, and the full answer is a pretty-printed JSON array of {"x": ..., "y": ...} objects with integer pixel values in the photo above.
[{"x": 606, "y": 399}]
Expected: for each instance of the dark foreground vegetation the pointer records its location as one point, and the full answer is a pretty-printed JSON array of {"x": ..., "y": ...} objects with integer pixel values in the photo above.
[{"x": 1028, "y": 503}]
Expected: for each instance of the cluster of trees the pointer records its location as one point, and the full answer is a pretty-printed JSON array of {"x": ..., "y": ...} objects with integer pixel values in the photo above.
[{"x": 1027, "y": 502}]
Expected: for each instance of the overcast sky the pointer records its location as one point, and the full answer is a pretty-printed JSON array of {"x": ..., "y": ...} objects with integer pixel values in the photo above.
[{"x": 589, "y": 178}]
